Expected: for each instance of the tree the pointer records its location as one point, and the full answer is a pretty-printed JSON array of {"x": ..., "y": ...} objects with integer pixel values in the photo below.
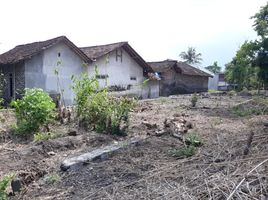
[
  {"x": 240, "y": 71},
  {"x": 214, "y": 68},
  {"x": 191, "y": 56},
  {"x": 261, "y": 27}
]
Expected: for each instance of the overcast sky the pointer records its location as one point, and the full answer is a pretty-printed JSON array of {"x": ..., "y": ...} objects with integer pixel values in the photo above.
[{"x": 156, "y": 29}]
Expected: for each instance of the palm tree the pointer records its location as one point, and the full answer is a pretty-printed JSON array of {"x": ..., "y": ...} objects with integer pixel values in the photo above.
[{"x": 191, "y": 57}]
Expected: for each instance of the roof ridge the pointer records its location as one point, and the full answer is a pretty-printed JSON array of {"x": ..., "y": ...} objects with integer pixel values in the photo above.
[
  {"x": 56, "y": 38},
  {"x": 123, "y": 42}
]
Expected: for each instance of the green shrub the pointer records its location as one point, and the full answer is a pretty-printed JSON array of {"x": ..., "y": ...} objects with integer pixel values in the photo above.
[
  {"x": 194, "y": 100},
  {"x": 184, "y": 152},
  {"x": 84, "y": 86},
  {"x": 4, "y": 182},
  {"x": 33, "y": 110},
  {"x": 193, "y": 140},
  {"x": 97, "y": 109},
  {"x": 45, "y": 136},
  {"x": 51, "y": 179}
]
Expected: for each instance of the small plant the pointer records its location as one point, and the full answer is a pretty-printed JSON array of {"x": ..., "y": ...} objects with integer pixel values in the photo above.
[
  {"x": 51, "y": 179},
  {"x": 194, "y": 100},
  {"x": 44, "y": 136},
  {"x": 185, "y": 152},
  {"x": 193, "y": 140},
  {"x": 33, "y": 110},
  {"x": 96, "y": 109},
  {"x": 4, "y": 182}
]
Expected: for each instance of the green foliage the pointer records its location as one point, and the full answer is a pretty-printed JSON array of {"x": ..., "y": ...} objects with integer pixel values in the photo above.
[
  {"x": 240, "y": 71},
  {"x": 33, "y": 110},
  {"x": 194, "y": 100},
  {"x": 214, "y": 68},
  {"x": 184, "y": 152},
  {"x": 84, "y": 86},
  {"x": 249, "y": 67},
  {"x": 45, "y": 136},
  {"x": 51, "y": 179},
  {"x": 191, "y": 56},
  {"x": 193, "y": 140},
  {"x": 99, "y": 110},
  {"x": 4, "y": 182}
]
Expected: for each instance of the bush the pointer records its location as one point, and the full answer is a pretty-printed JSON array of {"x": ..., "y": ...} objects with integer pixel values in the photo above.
[
  {"x": 98, "y": 110},
  {"x": 185, "y": 152},
  {"x": 33, "y": 110},
  {"x": 193, "y": 140},
  {"x": 194, "y": 100},
  {"x": 4, "y": 182}
]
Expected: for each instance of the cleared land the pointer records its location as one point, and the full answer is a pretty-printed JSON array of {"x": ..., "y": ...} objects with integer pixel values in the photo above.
[{"x": 234, "y": 141}]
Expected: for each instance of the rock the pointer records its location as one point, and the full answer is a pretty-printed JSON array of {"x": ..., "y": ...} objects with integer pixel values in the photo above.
[
  {"x": 51, "y": 153},
  {"x": 265, "y": 124},
  {"x": 16, "y": 185},
  {"x": 72, "y": 133}
]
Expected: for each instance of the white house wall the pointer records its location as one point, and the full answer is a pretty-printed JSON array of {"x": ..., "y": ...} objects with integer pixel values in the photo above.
[
  {"x": 119, "y": 72},
  {"x": 40, "y": 71}
]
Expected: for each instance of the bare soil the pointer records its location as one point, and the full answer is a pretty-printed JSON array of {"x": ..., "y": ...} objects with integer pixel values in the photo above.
[{"x": 231, "y": 147}]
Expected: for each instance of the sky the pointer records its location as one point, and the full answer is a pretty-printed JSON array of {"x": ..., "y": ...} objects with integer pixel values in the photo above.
[{"x": 156, "y": 29}]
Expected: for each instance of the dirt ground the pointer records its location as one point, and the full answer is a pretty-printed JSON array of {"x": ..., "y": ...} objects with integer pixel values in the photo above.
[{"x": 232, "y": 146}]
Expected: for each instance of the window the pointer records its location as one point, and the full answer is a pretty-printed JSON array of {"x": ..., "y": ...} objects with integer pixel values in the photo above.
[
  {"x": 133, "y": 78},
  {"x": 119, "y": 55},
  {"x": 11, "y": 85},
  {"x": 102, "y": 76}
]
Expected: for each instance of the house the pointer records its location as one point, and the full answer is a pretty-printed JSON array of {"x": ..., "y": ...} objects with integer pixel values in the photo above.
[
  {"x": 218, "y": 82},
  {"x": 120, "y": 67},
  {"x": 179, "y": 77},
  {"x": 50, "y": 65},
  {"x": 33, "y": 65}
]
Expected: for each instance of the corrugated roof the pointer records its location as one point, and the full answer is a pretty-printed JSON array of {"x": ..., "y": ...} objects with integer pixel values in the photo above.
[{"x": 26, "y": 51}]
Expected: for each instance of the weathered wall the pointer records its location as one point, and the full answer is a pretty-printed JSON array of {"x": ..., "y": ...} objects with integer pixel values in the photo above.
[
  {"x": 174, "y": 83},
  {"x": 69, "y": 63},
  {"x": 213, "y": 82},
  {"x": 13, "y": 77}
]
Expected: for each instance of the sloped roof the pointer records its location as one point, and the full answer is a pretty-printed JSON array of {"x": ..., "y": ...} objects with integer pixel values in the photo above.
[
  {"x": 190, "y": 70},
  {"x": 26, "y": 51},
  {"x": 178, "y": 66},
  {"x": 94, "y": 52},
  {"x": 162, "y": 66}
]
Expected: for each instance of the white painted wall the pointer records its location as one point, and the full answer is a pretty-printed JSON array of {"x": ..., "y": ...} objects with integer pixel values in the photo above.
[
  {"x": 213, "y": 82},
  {"x": 40, "y": 71},
  {"x": 120, "y": 73}
]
